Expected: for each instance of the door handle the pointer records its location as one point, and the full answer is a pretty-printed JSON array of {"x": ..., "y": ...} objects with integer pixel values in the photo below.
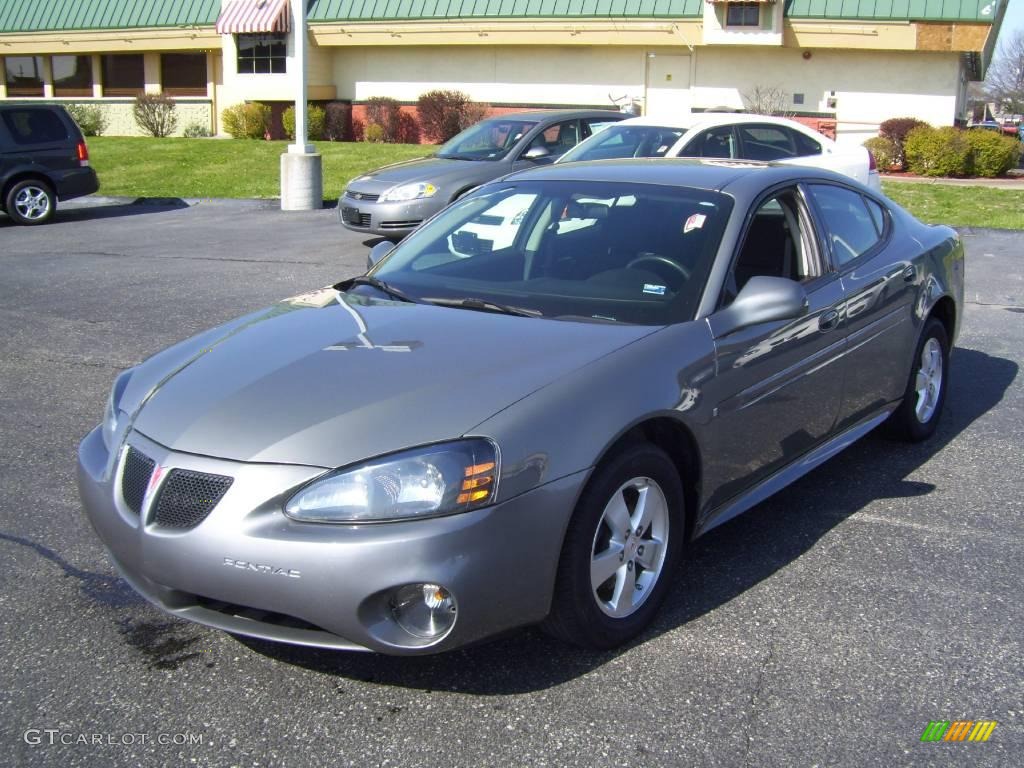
[
  {"x": 828, "y": 321},
  {"x": 909, "y": 274}
]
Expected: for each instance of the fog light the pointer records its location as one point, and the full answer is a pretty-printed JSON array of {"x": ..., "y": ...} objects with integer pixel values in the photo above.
[{"x": 424, "y": 610}]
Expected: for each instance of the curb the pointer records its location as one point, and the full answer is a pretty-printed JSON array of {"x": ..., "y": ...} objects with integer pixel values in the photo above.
[{"x": 96, "y": 201}]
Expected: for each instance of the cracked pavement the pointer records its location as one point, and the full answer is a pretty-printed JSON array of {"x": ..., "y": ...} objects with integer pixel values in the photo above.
[{"x": 827, "y": 626}]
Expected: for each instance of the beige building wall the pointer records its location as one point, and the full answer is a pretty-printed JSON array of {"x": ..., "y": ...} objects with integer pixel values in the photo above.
[
  {"x": 572, "y": 75},
  {"x": 868, "y": 86}
]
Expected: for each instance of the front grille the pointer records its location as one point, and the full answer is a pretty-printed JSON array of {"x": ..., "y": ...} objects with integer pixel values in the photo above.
[
  {"x": 256, "y": 614},
  {"x": 187, "y": 497},
  {"x": 401, "y": 224},
  {"x": 138, "y": 468},
  {"x": 365, "y": 197}
]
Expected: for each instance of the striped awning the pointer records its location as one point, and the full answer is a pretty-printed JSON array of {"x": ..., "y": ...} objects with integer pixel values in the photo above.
[{"x": 241, "y": 17}]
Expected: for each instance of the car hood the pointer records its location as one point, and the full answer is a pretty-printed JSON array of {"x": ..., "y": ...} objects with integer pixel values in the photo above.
[
  {"x": 437, "y": 170},
  {"x": 328, "y": 379}
]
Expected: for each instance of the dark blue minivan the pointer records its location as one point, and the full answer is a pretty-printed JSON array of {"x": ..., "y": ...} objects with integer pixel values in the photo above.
[{"x": 43, "y": 159}]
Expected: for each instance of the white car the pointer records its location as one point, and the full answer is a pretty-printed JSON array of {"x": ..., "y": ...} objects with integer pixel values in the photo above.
[{"x": 727, "y": 136}]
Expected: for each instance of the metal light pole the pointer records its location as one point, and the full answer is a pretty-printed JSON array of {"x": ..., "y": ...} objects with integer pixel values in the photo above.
[{"x": 301, "y": 167}]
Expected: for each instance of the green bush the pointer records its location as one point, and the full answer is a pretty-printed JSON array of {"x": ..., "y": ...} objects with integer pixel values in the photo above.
[
  {"x": 315, "y": 117},
  {"x": 373, "y": 133},
  {"x": 156, "y": 114},
  {"x": 90, "y": 118},
  {"x": 444, "y": 113},
  {"x": 387, "y": 113},
  {"x": 246, "y": 121},
  {"x": 938, "y": 151},
  {"x": 991, "y": 153},
  {"x": 896, "y": 129},
  {"x": 196, "y": 131},
  {"x": 885, "y": 152}
]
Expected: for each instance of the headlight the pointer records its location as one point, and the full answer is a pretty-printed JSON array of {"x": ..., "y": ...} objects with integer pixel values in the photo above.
[
  {"x": 113, "y": 402},
  {"x": 441, "y": 479},
  {"x": 406, "y": 192}
]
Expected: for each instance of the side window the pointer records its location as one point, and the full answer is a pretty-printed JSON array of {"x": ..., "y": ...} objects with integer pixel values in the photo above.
[
  {"x": 877, "y": 216},
  {"x": 558, "y": 138},
  {"x": 778, "y": 243},
  {"x": 852, "y": 228},
  {"x": 714, "y": 142},
  {"x": 595, "y": 125},
  {"x": 805, "y": 145},
  {"x": 766, "y": 142},
  {"x": 34, "y": 126}
]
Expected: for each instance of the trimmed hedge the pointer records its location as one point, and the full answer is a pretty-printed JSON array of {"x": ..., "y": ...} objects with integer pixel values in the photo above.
[
  {"x": 885, "y": 151},
  {"x": 953, "y": 152},
  {"x": 90, "y": 119},
  {"x": 246, "y": 121},
  {"x": 443, "y": 113},
  {"x": 315, "y": 121}
]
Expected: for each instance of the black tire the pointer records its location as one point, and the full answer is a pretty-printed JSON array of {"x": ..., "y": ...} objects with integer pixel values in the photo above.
[
  {"x": 30, "y": 202},
  {"x": 916, "y": 420},
  {"x": 576, "y": 616}
]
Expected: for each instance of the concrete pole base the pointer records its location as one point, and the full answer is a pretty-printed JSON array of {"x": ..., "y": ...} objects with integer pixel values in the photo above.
[{"x": 302, "y": 182}]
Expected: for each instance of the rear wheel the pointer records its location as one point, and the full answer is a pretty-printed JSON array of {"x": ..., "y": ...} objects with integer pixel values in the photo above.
[
  {"x": 31, "y": 202},
  {"x": 622, "y": 546},
  {"x": 918, "y": 415}
]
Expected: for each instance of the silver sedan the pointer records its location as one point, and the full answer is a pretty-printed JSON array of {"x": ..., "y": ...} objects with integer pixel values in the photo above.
[{"x": 522, "y": 412}]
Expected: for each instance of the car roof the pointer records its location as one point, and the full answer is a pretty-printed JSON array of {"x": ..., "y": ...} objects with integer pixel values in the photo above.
[
  {"x": 558, "y": 114},
  {"x": 742, "y": 177},
  {"x": 703, "y": 119}
]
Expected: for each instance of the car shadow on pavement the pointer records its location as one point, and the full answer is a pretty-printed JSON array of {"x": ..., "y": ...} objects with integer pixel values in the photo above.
[
  {"x": 720, "y": 565},
  {"x": 90, "y": 212}
]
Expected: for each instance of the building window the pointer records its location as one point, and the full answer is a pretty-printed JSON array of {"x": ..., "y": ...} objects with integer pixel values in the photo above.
[
  {"x": 183, "y": 74},
  {"x": 124, "y": 74},
  {"x": 24, "y": 75},
  {"x": 743, "y": 15},
  {"x": 261, "y": 54},
  {"x": 72, "y": 75}
]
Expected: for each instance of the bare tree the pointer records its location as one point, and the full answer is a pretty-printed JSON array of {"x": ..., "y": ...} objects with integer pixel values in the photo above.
[
  {"x": 765, "y": 100},
  {"x": 1004, "y": 83}
]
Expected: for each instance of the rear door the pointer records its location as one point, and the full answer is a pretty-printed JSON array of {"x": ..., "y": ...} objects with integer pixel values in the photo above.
[{"x": 880, "y": 287}]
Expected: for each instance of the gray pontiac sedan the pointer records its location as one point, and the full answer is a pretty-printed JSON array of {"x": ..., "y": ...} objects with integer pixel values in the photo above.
[
  {"x": 522, "y": 413},
  {"x": 393, "y": 200}
]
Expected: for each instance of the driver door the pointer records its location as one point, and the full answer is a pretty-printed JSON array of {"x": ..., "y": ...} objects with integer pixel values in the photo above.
[{"x": 776, "y": 390}]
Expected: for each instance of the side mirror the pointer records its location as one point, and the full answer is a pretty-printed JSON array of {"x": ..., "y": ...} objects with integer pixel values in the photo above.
[
  {"x": 537, "y": 153},
  {"x": 762, "y": 300},
  {"x": 378, "y": 252}
]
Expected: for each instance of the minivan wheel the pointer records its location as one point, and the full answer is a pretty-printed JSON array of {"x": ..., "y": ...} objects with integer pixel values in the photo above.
[
  {"x": 621, "y": 548},
  {"x": 918, "y": 415},
  {"x": 30, "y": 202}
]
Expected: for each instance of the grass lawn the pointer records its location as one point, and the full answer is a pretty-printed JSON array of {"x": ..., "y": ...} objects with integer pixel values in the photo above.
[
  {"x": 144, "y": 167},
  {"x": 960, "y": 206}
]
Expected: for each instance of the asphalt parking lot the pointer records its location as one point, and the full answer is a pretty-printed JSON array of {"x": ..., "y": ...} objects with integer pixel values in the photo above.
[{"x": 826, "y": 627}]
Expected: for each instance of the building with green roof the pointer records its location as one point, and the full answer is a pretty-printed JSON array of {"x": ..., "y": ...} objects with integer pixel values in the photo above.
[{"x": 841, "y": 65}]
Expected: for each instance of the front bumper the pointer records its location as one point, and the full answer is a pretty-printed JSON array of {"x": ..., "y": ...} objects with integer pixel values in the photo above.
[
  {"x": 236, "y": 570},
  {"x": 394, "y": 220}
]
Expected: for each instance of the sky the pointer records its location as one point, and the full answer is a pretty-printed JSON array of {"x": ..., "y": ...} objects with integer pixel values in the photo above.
[{"x": 1014, "y": 19}]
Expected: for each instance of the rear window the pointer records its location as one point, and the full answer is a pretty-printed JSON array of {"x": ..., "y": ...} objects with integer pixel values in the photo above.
[{"x": 34, "y": 126}]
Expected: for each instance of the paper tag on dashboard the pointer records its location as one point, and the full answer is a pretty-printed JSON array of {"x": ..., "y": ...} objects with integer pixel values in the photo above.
[
  {"x": 694, "y": 222},
  {"x": 657, "y": 290}
]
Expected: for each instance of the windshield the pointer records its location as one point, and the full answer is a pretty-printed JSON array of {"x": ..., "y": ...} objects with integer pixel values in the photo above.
[
  {"x": 595, "y": 251},
  {"x": 489, "y": 140},
  {"x": 618, "y": 141}
]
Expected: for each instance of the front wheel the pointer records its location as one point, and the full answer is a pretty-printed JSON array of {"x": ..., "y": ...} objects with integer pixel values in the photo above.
[
  {"x": 31, "y": 202},
  {"x": 623, "y": 544},
  {"x": 918, "y": 415}
]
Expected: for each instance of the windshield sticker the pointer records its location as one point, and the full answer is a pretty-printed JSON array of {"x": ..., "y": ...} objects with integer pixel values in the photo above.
[
  {"x": 694, "y": 222},
  {"x": 657, "y": 290}
]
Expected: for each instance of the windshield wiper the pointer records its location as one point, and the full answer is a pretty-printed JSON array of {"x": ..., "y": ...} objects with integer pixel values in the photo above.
[
  {"x": 484, "y": 305},
  {"x": 380, "y": 285}
]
